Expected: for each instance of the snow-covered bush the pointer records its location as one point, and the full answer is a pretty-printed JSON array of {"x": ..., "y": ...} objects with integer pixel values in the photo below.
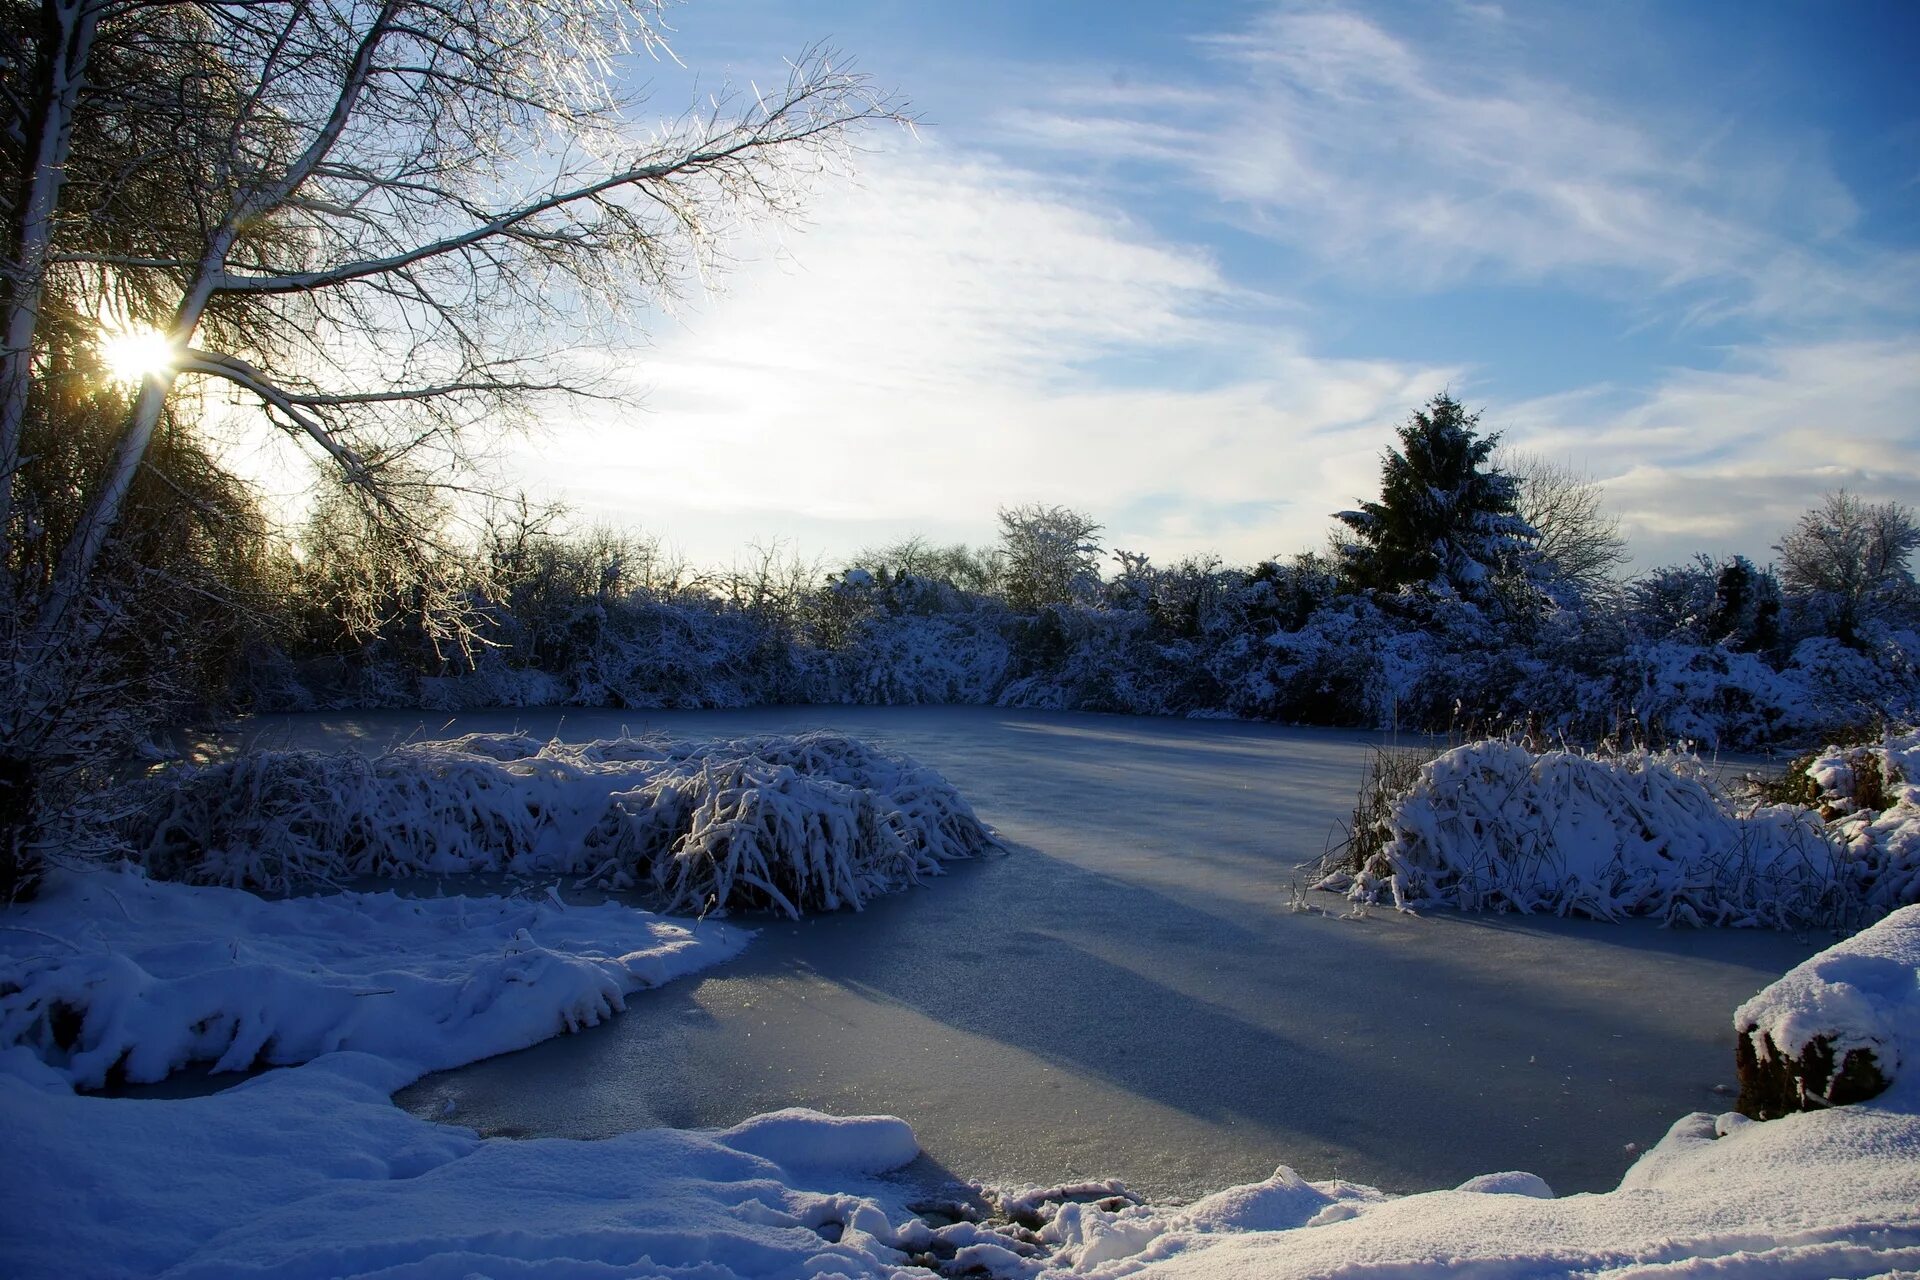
[
  {"x": 676, "y": 654},
  {"x": 1690, "y": 654},
  {"x": 912, "y": 660},
  {"x": 1325, "y": 671},
  {"x": 1109, "y": 660},
  {"x": 1877, "y": 680},
  {"x": 1870, "y": 794},
  {"x": 1495, "y": 826},
  {"x": 1675, "y": 691},
  {"x": 796, "y": 824}
]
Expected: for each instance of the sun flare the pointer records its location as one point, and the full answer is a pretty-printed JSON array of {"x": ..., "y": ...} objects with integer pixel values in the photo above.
[{"x": 132, "y": 354}]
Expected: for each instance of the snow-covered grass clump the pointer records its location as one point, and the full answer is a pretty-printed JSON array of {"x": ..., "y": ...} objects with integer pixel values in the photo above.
[
  {"x": 806, "y": 823},
  {"x": 112, "y": 976},
  {"x": 1493, "y": 825}
]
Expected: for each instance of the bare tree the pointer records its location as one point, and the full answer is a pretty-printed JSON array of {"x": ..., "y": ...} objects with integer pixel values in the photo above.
[
  {"x": 1579, "y": 542},
  {"x": 1849, "y": 558},
  {"x": 382, "y": 222}
]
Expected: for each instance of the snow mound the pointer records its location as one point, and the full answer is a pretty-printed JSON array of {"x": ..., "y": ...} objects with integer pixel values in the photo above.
[
  {"x": 1494, "y": 826},
  {"x": 807, "y": 823},
  {"x": 1281, "y": 1203},
  {"x": 1509, "y": 1184},
  {"x": 113, "y": 976},
  {"x": 798, "y": 1138},
  {"x": 312, "y": 1173}
]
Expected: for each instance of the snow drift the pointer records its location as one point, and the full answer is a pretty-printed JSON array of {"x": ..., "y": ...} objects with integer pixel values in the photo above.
[
  {"x": 119, "y": 977},
  {"x": 806, "y": 823}
]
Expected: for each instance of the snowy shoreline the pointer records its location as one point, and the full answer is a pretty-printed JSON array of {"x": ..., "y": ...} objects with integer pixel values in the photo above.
[{"x": 310, "y": 1171}]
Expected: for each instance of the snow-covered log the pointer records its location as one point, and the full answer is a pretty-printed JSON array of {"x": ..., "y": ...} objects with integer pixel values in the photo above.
[{"x": 796, "y": 824}]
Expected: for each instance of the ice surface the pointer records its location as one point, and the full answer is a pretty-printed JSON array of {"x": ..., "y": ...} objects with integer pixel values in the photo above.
[{"x": 1130, "y": 993}]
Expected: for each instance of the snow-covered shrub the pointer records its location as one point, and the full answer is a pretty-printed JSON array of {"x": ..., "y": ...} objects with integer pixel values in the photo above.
[
  {"x": 493, "y": 682},
  {"x": 1494, "y": 826},
  {"x": 796, "y": 824},
  {"x": 1853, "y": 685},
  {"x": 1105, "y": 660},
  {"x": 661, "y": 654},
  {"x": 1326, "y": 671},
  {"x": 1391, "y": 773},
  {"x": 1870, "y": 794},
  {"x": 912, "y": 660},
  {"x": 1184, "y": 599},
  {"x": 1676, "y": 691}
]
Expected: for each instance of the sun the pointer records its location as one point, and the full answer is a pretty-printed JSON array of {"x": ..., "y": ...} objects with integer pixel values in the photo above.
[{"x": 132, "y": 354}]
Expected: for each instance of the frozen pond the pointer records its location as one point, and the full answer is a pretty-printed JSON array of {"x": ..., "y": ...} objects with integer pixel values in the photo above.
[{"x": 1129, "y": 992}]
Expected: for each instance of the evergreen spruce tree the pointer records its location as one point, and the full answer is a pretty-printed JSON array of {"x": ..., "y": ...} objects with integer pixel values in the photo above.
[{"x": 1445, "y": 520}]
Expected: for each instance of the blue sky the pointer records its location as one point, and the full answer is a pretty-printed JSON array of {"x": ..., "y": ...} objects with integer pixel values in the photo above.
[{"x": 1186, "y": 266}]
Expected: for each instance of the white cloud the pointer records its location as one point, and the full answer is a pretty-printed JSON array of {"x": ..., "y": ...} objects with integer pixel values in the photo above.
[
  {"x": 1425, "y": 165},
  {"x": 1723, "y": 461},
  {"x": 946, "y": 338}
]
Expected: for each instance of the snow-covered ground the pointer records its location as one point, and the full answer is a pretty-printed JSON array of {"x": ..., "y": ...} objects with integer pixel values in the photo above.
[
  {"x": 113, "y": 976},
  {"x": 310, "y": 1172}
]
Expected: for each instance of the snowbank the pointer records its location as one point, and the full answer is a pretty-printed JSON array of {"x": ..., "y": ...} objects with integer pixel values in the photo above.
[
  {"x": 807, "y": 823},
  {"x": 112, "y": 976},
  {"x": 1492, "y": 825},
  {"x": 314, "y": 1173}
]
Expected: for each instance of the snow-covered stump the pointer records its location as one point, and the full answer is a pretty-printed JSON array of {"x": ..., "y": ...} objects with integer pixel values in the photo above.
[{"x": 1828, "y": 1033}]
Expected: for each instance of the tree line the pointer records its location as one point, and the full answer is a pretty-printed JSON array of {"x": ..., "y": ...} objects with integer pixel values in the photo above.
[{"x": 1475, "y": 590}]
